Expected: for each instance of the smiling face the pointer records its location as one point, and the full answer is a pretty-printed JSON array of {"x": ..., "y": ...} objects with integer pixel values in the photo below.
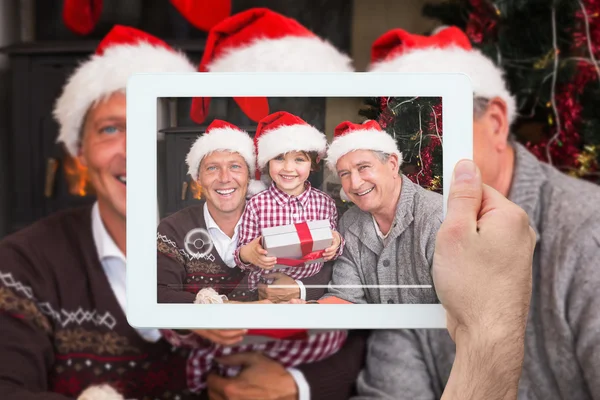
[
  {"x": 368, "y": 180},
  {"x": 103, "y": 152},
  {"x": 289, "y": 171},
  {"x": 224, "y": 177}
]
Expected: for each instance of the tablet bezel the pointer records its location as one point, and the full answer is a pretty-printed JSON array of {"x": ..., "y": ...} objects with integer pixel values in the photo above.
[{"x": 143, "y": 92}]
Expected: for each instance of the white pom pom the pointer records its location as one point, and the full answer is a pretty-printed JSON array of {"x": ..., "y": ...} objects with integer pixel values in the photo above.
[
  {"x": 255, "y": 187},
  {"x": 209, "y": 296},
  {"x": 100, "y": 392}
]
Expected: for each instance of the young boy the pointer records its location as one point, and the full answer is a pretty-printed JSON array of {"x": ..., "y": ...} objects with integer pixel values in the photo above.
[{"x": 288, "y": 149}]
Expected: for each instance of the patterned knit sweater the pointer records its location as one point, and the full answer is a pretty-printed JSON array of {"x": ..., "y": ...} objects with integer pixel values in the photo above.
[{"x": 61, "y": 326}]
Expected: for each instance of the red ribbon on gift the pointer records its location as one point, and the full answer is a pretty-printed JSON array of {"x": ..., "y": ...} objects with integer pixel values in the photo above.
[
  {"x": 282, "y": 334},
  {"x": 306, "y": 245}
]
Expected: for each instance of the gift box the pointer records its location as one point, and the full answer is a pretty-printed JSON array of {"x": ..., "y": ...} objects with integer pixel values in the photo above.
[{"x": 297, "y": 244}]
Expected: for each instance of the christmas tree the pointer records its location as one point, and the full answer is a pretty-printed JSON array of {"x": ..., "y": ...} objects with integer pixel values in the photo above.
[
  {"x": 416, "y": 124},
  {"x": 549, "y": 50}
]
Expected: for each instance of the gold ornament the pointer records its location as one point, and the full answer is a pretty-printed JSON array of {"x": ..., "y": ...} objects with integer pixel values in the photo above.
[
  {"x": 587, "y": 159},
  {"x": 543, "y": 62},
  {"x": 436, "y": 182}
]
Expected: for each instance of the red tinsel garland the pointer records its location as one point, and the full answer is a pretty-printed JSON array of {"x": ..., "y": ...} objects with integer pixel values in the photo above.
[
  {"x": 425, "y": 176},
  {"x": 482, "y": 26},
  {"x": 566, "y": 150}
]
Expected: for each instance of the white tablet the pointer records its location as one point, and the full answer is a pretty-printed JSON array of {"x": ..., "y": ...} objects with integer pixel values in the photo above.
[{"x": 147, "y": 95}]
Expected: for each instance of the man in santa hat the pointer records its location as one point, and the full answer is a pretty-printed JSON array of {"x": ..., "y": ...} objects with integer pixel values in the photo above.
[
  {"x": 562, "y": 345},
  {"x": 257, "y": 39},
  {"x": 391, "y": 230},
  {"x": 62, "y": 288}
]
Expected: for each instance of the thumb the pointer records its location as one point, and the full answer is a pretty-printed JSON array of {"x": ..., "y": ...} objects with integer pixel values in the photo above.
[
  {"x": 239, "y": 359},
  {"x": 464, "y": 198}
]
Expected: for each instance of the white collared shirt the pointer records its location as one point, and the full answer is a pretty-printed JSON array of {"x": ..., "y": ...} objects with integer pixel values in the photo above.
[
  {"x": 114, "y": 263},
  {"x": 224, "y": 244}
]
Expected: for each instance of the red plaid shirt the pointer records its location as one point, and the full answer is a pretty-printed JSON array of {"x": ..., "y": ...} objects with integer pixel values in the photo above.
[
  {"x": 274, "y": 207},
  {"x": 289, "y": 353}
]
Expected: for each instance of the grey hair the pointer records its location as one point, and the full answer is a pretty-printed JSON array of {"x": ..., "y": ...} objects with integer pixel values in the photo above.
[{"x": 480, "y": 105}]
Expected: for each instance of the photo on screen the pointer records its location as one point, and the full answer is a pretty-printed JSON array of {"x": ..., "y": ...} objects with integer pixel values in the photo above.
[{"x": 321, "y": 200}]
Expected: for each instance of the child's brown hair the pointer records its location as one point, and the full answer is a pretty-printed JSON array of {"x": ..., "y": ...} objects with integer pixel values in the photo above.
[{"x": 313, "y": 156}]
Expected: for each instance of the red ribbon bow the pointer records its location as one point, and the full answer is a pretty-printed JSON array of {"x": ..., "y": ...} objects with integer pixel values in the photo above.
[{"x": 306, "y": 244}]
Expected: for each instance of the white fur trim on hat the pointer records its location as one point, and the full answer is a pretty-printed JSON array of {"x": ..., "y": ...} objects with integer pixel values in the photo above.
[
  {"x": 256, "y": 186},
  {"x": 288, "y": 54},
  {"x": 103, "y": 75},
  {"x": 487, "y": 78},
  {"x": 367, "y": 139},
  {"x": 288, "y": 138},
  {"x": 220, "y": 139},
  {"x": 100, "y": 392}
]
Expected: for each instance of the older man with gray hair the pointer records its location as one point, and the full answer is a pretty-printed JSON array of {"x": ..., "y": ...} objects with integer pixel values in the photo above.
[
  {"x": 390, "y": 234},
  {"x": 562, "y": 345}
]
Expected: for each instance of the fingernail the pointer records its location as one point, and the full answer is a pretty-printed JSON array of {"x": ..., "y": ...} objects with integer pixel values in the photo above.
[{"x": 465, "y": 170}]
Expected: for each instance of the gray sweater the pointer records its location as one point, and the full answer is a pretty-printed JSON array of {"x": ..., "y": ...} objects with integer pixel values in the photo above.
[
  {"x": 404, "y": 259},
  {"x": 562, "y": 347}
]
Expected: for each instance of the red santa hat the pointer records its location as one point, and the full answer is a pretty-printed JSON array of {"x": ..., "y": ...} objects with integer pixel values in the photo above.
[
  {"x": 82, "y": 16},
  {"x": 260, "y": 40},
  {"x": 349, "y": 136},
  {"x": 220, "y": 136},
  {"x": 447, "y": 50},
  {"x": 123, "y": 52},
  {"x": 280, "y": 133}
]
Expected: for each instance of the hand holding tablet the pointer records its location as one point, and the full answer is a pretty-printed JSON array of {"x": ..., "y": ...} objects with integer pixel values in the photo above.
[{"x": 402, "y": 296}]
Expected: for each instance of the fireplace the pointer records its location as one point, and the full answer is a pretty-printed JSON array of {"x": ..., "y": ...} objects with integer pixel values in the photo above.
[{"x": 42, "y": 179}]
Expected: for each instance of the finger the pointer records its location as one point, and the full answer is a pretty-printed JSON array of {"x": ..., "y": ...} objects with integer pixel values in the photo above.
[
  {"x": 239, "y": 359},
  {"x": 464, "y": 197},
  {"x": 491, "y": 200}
]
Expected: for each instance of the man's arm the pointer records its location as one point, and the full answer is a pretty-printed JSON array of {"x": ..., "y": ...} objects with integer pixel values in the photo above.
[
  {"x": 26, "y": 350},
  {"x": 584, "y": 306},
  {"x": 396, "y": 368},
  {"x": 27, "y": 356},
  {"x": 482, "y": 270},
  {"x": 487, "y": 365}
]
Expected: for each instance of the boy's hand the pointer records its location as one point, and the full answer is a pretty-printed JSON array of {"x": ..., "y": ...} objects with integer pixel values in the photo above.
[
  {"x": 253, "y": 253},
  {"x": 330, "y": 251}
]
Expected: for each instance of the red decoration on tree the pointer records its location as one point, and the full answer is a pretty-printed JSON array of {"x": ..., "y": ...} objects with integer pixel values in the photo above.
[
  {"x": 425, "y": 176},
  {"x": 565, "y": 144},
  {"x": 482, "y": 22}
]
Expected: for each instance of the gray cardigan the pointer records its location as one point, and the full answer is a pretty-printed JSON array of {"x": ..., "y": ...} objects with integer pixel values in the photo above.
[
  {"x": 405, "y": 260},
  {"x": 562, "y": 344}
]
